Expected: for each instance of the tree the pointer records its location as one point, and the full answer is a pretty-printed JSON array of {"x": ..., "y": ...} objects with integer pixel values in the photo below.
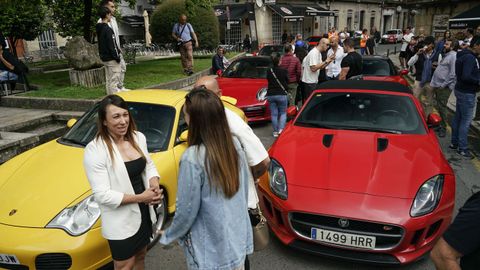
[
  {"x": 76, "y": 17},
  {"x": 203, "y": 20},
  {"x": 22, "y": 19}
]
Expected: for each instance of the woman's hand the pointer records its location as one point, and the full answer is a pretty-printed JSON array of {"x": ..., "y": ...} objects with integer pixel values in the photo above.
[
  {"x": 154, "y": 184},
  {"x": 151, "y": 197}
]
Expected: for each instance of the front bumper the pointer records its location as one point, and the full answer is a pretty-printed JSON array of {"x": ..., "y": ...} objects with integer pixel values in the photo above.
[
  {"x": 257, "y": 112},
  {"x": 40, "y": 248},
  {"x": 417, "y": 234}
]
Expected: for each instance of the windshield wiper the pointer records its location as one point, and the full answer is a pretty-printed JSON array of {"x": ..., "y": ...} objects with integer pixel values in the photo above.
[
  {"x": 381, "y": 130},
  {"x": 314, "y": 124},
  {"x": 73, "y": 141}
]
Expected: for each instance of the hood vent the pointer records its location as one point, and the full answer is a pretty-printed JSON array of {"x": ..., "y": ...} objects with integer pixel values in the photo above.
[
  {"x": 327, "y": 140},
  {"x": 382, "y": 144}
]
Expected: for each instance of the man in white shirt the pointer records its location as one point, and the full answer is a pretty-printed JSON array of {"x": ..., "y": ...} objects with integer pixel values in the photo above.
[
  {"x": 334, "y": 68},
  {"x": 403, "y": 51},
  {"x": 113, "y": 24},
  {"x": 311, "y": 66}
]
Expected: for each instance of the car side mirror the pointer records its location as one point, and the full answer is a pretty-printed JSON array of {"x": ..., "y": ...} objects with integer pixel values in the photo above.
[
  {"x": 71, "y": 122},
  {"x": 292, "y": 111},
  {"x": 183, "y": 136},
  {"x": 433, "y": 120},
  {"x": 404, "y": 72}
]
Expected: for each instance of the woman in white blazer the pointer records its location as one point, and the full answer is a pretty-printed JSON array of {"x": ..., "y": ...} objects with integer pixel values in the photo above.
[{"x": 124, "y": 181}]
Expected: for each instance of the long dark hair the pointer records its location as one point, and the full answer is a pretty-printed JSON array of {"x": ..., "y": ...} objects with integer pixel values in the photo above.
[
  {"x": 103, "y": 130},
  {"x": 208, "y": 126}
]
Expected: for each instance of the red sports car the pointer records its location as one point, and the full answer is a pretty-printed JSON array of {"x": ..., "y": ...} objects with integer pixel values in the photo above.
[
  {"x": 381, "y": 68},
  {"x": 359, "y": 175},
  {"x": 246, "y": 80}
]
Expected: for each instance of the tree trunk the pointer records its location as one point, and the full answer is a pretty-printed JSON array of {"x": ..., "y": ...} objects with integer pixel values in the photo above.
[{"x": 87, "y": 15}]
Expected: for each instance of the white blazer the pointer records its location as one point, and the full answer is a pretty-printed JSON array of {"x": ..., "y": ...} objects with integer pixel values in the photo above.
[{"x": 110, "y": 181}]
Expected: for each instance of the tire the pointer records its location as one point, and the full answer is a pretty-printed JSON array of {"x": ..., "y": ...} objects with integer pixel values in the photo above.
[{"x": 162, "y": 214}]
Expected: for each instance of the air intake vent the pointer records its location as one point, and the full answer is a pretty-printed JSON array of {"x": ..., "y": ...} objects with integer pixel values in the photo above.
[
  {"x": 382, "y": 144},
  {"x": 58, "y": 261},
  {"x": 327, "y": 140}
]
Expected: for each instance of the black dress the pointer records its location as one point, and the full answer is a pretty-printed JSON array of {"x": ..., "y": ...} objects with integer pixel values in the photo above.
[{"x": 126, "y": 248}]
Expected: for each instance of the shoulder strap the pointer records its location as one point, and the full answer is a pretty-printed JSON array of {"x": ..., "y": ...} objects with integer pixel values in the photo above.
[
  {"x": 278, "y": 81},
  {"x": 182, "y": 29}
]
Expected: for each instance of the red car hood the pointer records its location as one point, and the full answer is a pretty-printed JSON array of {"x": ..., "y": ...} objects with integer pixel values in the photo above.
[
  {"x": 397, "y": 79},
  {"x": 244, "y": 90},
  {"x": 353, "y": 164}
]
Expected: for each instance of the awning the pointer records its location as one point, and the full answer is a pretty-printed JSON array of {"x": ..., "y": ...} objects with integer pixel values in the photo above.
[
  {"x": 467, "y": 19},
  {"x": 289, "y": 12},
  {"x": 134, "y": 21},
  {"x": 318, "y": 11},
  {"x": 230, "y": 12}
]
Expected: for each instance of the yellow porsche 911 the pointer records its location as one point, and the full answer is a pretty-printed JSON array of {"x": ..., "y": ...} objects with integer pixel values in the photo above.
[{"x": 48, "y": 217}]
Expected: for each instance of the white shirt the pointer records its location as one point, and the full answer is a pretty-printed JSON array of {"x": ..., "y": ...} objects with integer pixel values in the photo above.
[
  {"x": 313, "y": 58},
  {"x": 334, "y": 68},
  {"x": 113, "y": 24},
  {"x": 254, "y": 149},
  {"x": 406, "y": 41}
]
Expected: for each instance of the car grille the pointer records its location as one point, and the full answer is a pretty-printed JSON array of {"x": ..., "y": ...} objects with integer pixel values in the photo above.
[
  {"x": 58, "y": 261},
  {"x": 387, "y": 236},
  {"x": 258, "y": 111}
]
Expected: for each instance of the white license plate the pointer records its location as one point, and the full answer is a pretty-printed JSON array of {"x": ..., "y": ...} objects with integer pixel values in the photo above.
[
  {"x": 9, "y": 259},
  {"x": 344, "y": 239}
]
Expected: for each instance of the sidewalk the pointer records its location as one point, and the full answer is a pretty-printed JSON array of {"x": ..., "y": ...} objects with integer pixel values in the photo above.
[{"x": 475, "y": 123}]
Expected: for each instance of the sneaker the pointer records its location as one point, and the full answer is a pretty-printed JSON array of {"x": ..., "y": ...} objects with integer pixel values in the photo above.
[
  {"x": 280, "y": 131},
  {"x": 275, "y": 134},
  {"x": 124, "y": 89},
  {"x": 465, "y": 153},
  {"x": 453, "y": 146}
]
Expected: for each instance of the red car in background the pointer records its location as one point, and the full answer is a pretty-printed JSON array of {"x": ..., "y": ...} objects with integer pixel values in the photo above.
[
  {"x": 381, "y": 68},
  {"x": 246, "y": 80},
  {"x": 359, "y": 175}
]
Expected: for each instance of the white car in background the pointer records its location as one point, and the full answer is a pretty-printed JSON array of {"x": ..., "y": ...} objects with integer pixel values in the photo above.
[{"x": 392, "y": 36}]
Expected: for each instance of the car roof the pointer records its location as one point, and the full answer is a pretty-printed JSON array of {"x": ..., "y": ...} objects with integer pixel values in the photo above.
[
  {"x": 155, "y": 96},
  {"x": 262, "y": 58},
  {"x": 365, "y": 85},
  {"x": 368, "y": 57}
]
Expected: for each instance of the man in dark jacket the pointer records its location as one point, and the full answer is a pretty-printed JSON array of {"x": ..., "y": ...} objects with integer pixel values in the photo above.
[
  {"x": 294, "y": 68},
  {"x": 108, "y": 50},
  {"x": 468, "y": 83},
  {"x": 217, "y": 62}
]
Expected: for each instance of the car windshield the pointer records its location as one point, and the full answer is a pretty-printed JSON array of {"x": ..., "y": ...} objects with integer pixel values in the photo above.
[
  {"x": 154, "y": 121},
  {"x": 377, "y": 67},
  {"x": 362, "y": 111},
  {"x": 253, "y": 68},
  {"x": 391, "y": 32},
  {"x": 314, "y": 39},
  {"x": 269, "y": 50}
]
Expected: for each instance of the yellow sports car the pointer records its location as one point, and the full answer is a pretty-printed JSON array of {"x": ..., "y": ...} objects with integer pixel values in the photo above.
[{"x": 48, "y": 218}]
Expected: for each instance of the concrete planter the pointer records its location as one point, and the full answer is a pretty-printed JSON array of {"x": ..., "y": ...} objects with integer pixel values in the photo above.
[{"x": 88, "y": 78}]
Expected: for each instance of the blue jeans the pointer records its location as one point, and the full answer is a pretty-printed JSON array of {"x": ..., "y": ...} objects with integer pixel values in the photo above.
[
  {"x": 8, "y": 76},
  {"x": 278, "y": 109},
  {"x": 463, "y": 118},
  {"x": 363, "y": 51}
]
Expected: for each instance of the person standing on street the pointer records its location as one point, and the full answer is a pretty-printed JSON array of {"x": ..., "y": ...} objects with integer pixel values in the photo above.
[
  {"x": 363, "y": 41},
  {"x": 352, "y": 63},
  {"x": 294, "y": 68},
  {"x": 108, "y": 51},
  {"x": 468, "y": 84},
  {"x": 113, "y": 24},
  {"x": 444, "y": 77},
  {"x": 277, "y": 78},
  {"x": 211, "y": 219},
  {"x": 186, "y": 38},
  {"x": 423, "y": 62},
  {"x": 247, "y": 43},
  {"x": 311, "y": 66},
  {"x": 403, "y": 50},
  {"x": 334, "y": 68}
]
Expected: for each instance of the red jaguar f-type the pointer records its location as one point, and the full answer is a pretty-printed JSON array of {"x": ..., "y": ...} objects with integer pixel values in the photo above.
[{"x": 359, "y": 175}]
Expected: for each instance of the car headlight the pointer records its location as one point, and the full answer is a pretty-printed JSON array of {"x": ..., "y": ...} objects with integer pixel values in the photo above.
[
  {"x": 77, "y": 219},
  {"x": 278, "y": 180},
  {"x": 428, "y": 196},
  {"x": 262, "y": 94}
]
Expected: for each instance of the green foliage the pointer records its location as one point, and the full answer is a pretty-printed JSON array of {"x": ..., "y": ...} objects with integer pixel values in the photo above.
[
  {"x": 22, "y": 19},
  {"x": 203, "y": 20},
  {"x": 68, "y": 15}
]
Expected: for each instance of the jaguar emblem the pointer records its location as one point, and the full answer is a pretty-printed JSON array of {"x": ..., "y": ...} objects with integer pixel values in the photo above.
[
  {"x": 13, "y": 212},
  {"x": 344, "y": 223}
]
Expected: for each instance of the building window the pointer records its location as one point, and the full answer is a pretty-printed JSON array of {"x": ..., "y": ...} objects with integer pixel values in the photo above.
[
  {"x": 350, "y": 19},
  {"x": 362, "y": 20},
  {"x": 47, "y": 40},
  {"x": 372, "y": 19},
  {"x": 233, "y": 32},
  {"x": 277, "y": 28},
  {"x": 140, "y": 9},
  {"x": 335, "y": 19}
]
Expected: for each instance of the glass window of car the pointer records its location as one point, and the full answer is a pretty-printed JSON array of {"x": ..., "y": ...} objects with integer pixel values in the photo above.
[
  {"x": 314, "y": 39},
  {"x": 153, "y": 120},
  {"x": 362, "y": 111},
  {"x": 377, "y": 67},
  {"x": 392, "y": 32},
  {"x": 253, "y": 68}
]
